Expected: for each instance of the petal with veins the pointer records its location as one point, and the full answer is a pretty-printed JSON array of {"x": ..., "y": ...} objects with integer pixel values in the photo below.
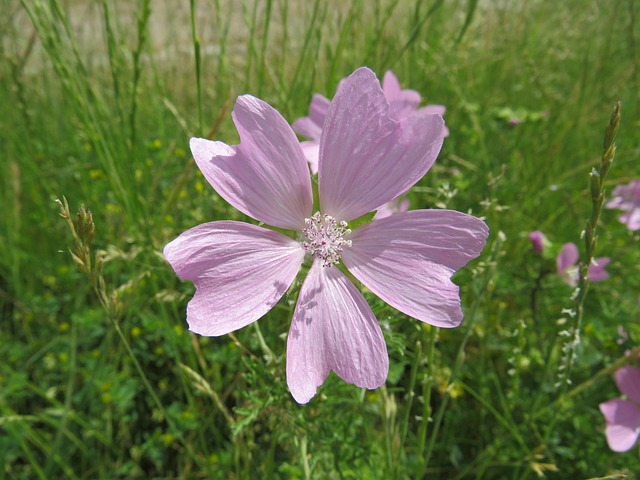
[
  {"x": 240, "y": 272},
  {"x": 266, "y": 176},
  {"x": 366, "y": 158},
  {"x": 407, "y": 260},
  {"x": 333, "y": 328}
]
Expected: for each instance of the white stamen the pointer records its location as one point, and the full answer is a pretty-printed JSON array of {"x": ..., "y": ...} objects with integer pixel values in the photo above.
[{"x": 325, "y": 238}]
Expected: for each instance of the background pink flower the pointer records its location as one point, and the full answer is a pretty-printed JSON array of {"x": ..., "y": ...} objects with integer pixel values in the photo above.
[
  {"x": 627, "y": 198},
  {"x": 537, "y": 241},
  {"x": 367, "y": 159},
  {"x": 567, "y": 266},
  {"x": 623, "y": 416}
]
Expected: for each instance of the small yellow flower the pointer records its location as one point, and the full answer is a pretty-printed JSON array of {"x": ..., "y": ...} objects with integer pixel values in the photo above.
[{"x": 167, "y": 438}]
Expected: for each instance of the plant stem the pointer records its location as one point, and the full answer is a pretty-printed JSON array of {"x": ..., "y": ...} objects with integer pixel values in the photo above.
[
  {"x": 426, "y": 398},
  {"x": 198, "y": 58},
  {"x": 597, "y": 178}
]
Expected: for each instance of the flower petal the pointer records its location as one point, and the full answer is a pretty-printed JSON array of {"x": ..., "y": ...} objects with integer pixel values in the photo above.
[
  {"x": 333, "y": 328},
  {"x": 266, "y": 176},
  {"x": 625, "y": 197},
  {"x": 597, "y": 272},
  {"x": 240, "y": 272},
  {"x": 567, "y": 258},
  {"x": 537, "y": 241},
  {"x": 397, "y": 205},
  {"x": 311, "y": 126},
  {"x": 310, "y": 150},
  {"x": 391, "y": 86},
  {"x": 367, "y": 158},
  {"x": 407, "y": 260},
  {"x": 434, "y": 109},
  {"x": 628, "y": 381},
  {"x": 401, "y": 102},
  {"x": 623, "y": 424},
  {"x": 631, "y": 219}
]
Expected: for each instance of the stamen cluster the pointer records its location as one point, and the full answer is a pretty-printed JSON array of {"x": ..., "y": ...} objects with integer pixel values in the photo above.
[{"x": 325, "y": 238}]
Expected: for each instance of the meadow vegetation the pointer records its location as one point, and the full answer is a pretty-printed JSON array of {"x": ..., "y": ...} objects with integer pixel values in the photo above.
[{"x": 100, "y": 377}]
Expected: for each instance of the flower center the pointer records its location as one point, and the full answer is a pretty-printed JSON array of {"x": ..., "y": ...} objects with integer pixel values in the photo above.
[{"x": 324, "y": 238}]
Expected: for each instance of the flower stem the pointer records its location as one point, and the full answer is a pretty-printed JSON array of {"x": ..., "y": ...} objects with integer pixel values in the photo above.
[
  {"x": 198, "y": 57},
  {"x": 597, "y": 178},
  {"x": 265, "y": 348},
  {"x": 426, "y": 399}
]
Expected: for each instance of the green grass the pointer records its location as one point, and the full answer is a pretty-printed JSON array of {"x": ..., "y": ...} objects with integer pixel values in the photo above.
[{"x": 97, "y": 104}]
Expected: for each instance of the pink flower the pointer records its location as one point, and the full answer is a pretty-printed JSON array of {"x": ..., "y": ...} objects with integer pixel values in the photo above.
[
  {"x": 627, "y": 198},
  {"x": 514, "y": 121},
  {"x": 568, "y": 269},
  {"x": 367, "y": 159},
  {"x": 537, "y": 241},
  {"x": 623, "y": 416}
]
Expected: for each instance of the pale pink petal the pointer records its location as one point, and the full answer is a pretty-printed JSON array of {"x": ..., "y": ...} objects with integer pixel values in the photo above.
[
  {"x": 631, "y": 219},
  {"x": 394, "y": 93},
  {"x": 405, "y": 105},
  {"x": 333, "y": 328},
  {"x": 407, "y": 260},
  {"x": 311, "y": 126},
  {"x": 266, "y": 176},
  {"x": 625, "y": 197},
  {"x": 401, "y": 102},
  {"x": 240, "y": 272},
  {"x": 434, "y": 109},
  {"x": 597, "y": 272},
  {"x": 397, "y": 205},
  {"x": 311, "y": 150},
  {"x": 623, "y": 424},
  {"x": 567, "y": 258},
  {"x": 628, "y": 381},
  {"x": 366, "y": 158},
  {"x": 390, "y": 85},
  {"x": 537, "y": 241}
]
